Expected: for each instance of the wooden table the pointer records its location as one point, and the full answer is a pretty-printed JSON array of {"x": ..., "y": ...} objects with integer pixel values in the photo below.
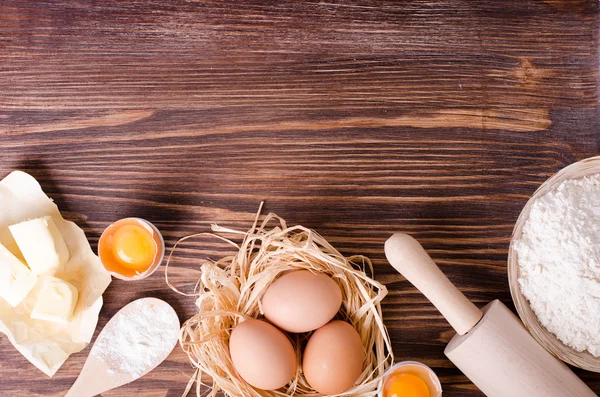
[{"x": 355, "y": 118}]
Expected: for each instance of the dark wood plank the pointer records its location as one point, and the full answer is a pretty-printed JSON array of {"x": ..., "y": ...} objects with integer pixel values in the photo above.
[{"x": 355, "y": 118}]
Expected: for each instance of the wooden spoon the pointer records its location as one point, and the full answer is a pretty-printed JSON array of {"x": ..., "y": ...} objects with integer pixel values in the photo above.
[{"x": 98, "y": 375}]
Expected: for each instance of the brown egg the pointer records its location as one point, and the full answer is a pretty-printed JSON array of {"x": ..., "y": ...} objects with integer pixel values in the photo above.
[
  {"x": 302, "y": 301},
  {"x": 262, "y": 355},
  {"x": 333, "y": 358}
]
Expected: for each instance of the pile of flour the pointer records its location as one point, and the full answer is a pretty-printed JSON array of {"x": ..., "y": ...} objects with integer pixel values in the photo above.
[
  {"x": 135, "y": 342},
  {"x": 559, "y": 259}
]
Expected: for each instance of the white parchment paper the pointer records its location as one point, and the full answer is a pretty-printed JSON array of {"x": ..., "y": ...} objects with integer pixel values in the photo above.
[{"x": 45, "y": 344}]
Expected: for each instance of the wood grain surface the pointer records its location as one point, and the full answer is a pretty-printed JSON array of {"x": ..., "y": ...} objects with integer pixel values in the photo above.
[{"x": 355, "y": 118}]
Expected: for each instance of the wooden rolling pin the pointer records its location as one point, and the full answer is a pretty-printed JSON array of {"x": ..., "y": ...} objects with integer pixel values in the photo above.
[{"x": 492, "y": 347}]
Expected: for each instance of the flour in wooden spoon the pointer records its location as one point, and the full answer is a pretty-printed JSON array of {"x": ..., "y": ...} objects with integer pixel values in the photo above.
[
  {"x": 559, "y": 262},
  {"x": 134, "y": 343}
]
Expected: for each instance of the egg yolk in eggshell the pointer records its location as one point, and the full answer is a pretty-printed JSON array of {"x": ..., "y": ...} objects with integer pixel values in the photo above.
[
  {"x": 128, "y": 247},
  {"x": 405, "y": 385},
  {"x": 133, "y": 247}
]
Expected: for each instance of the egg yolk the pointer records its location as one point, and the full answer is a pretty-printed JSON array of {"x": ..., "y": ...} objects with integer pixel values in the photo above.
[
  {"x": 405, "y": 385},
  {"x": 133, "y": 247}
]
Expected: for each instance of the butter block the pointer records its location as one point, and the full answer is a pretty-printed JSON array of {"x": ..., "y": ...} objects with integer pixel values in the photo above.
[
  {"x": 41, "y": 243},
  {"x": 56, "y": 301},
  {"x": 16, "y": 280}
]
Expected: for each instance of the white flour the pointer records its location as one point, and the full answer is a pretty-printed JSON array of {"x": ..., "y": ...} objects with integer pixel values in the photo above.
[
  {"x": 559, "y": 259},
  {"x": 137, "y": 341}
]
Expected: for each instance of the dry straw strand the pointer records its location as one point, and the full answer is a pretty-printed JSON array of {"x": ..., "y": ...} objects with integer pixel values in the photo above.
[{"x": 231, "y": 289}]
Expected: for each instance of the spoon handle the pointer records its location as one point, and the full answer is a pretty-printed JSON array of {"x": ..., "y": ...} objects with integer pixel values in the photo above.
[
  {"x": 81, "y": 388},
  {"x": 96, "y": 378}
]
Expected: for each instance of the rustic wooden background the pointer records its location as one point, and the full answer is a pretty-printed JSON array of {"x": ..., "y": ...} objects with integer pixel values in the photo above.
[{"x": 356, "y": 118}]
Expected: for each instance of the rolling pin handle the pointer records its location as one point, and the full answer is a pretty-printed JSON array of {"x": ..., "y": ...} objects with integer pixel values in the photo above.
[{"x": 409, "y": 258}]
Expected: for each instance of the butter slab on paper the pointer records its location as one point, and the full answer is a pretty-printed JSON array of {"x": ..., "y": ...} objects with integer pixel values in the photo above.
[
  {"x": 16, "y": 280},
  {"x": 56, "y": 301},
  {"x": 45, "y": 344},
  {"x": 41, "y": 243}
]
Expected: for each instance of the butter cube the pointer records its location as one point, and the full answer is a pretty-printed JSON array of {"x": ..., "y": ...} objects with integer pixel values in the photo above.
[
  {"x": 16, "y": 280},
  {"x": 41, "y": 244},
  {"x": 56, "y": 301}
]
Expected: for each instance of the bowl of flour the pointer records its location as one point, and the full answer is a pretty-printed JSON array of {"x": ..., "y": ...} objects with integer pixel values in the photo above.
[{"x": 554, "y": 264}]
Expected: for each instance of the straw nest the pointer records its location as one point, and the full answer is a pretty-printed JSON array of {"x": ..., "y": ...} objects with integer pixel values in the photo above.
[{"x": 232, "y": 288}]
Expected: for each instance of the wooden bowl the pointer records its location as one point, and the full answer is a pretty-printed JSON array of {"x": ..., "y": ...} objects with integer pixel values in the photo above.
[{"x": 582, "y": 360}]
